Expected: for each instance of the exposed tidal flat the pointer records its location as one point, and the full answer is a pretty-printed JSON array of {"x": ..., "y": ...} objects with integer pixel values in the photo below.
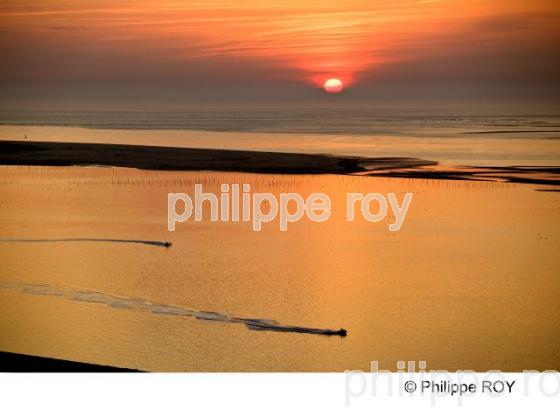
[
  {"x": 478, "y": 141},
  {"x": 470, "y": 282},
  {"x": 264, "y": 162}
]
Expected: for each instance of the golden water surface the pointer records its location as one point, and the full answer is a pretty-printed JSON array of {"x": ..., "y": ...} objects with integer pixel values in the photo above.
[{"x": 471, "y": 281}]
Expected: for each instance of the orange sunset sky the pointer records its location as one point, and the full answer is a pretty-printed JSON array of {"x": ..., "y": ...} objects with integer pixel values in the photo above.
[{"x": 282, "y": 44}]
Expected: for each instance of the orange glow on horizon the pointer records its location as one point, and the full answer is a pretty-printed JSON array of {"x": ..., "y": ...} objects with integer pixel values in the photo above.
[{"x": 292, "y": 40}]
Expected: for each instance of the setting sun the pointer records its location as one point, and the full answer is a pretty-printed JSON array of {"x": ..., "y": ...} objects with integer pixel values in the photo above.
[{"x": 333, "y": 86}]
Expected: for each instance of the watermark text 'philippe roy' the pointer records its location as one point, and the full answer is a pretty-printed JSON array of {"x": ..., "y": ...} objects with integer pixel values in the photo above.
[{"x": 237, "y": 203}]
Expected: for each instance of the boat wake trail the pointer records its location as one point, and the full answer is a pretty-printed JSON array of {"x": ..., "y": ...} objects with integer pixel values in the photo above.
[
  {"x": 137, "y": 241},
  {"x": 121, "y": 302}
]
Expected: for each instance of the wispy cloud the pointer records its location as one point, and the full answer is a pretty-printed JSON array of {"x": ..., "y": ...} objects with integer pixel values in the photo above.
[{"x": 349, "y": 39}]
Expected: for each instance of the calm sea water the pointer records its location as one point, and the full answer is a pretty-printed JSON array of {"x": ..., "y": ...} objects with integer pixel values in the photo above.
[
  {"x": 469, "y": 282},
  {"x": 471, "y": 138},
  {"x": 322, "y": 120}
]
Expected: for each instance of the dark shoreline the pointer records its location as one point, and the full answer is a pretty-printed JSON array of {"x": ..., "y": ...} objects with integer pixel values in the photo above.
[
  {"x": 190, "y": 159},
  {"x": 23, "y": 363},
  {"x": 197, "y": 159}
]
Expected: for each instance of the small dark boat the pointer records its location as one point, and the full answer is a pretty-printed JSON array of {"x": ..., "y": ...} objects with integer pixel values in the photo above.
[{"x": 255, "y": 324}]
